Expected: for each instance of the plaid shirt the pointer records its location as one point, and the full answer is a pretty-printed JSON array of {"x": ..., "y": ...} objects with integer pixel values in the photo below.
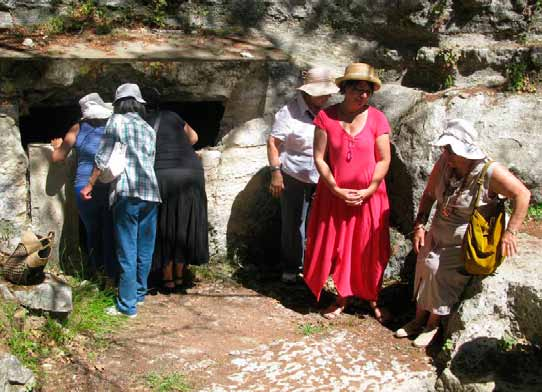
[{"x": 138, "y": 179}]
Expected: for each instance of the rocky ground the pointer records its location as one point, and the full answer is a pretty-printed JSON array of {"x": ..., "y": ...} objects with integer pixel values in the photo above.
[{"x": 224, "y": 336}]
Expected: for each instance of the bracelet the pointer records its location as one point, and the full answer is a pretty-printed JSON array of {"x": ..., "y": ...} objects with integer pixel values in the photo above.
[
  {"x": 273, "y": 168},
  {"x": 512, "y": 231}
]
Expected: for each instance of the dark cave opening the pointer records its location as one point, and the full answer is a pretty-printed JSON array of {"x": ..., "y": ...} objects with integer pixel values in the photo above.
[{"x": 43, "y": 123}]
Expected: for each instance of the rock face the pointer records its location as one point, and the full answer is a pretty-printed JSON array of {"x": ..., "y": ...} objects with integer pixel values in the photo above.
[
  {"x": 13, "y": 184},
  {"x": 14, "y": 377},
  {"x": 495, "y": 329}
]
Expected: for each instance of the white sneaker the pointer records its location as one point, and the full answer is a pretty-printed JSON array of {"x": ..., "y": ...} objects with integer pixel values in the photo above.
[
  {"x": 113, "y": 311},
  {"x": 425, "y": 338},
  {"x": 409, "y": 329},
  {"x": 288, "y": 277}
]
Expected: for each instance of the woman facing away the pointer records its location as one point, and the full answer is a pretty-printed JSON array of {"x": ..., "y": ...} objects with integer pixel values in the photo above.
[
  {"x": 182, "y": 231},
  {"x": 85, "y": 137},
  {"x": 348, "y": 232},
  {"x": 134, "y": 195},
  {"x": 440, "y": 275}
]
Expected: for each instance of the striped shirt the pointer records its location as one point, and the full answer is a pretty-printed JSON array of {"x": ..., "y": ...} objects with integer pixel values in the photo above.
[{"x": 138, "y": 179}]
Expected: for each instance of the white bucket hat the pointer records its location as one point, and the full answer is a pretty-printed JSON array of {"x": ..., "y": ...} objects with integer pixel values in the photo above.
[
  {"x": 129, "y": 90},
  {"x": 93, "y": 107},
  {"x": 461, "y": 136},
  {"x": 318, "y": 81}
]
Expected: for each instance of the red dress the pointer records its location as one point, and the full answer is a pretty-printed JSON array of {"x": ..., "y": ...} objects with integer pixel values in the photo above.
[{"x": 350, "y": 242}]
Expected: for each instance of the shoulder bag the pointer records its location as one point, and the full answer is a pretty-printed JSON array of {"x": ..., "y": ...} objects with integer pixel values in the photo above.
[{"x": 482, "y": 241}]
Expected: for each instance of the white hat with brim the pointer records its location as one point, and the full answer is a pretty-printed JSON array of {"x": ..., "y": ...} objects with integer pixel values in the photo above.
[
  {"x": 460, "y": 135},
  {"x": 129, "y": 90},
  {"x": 318, "y": 82},
  {"x": 93, "y": 107}
]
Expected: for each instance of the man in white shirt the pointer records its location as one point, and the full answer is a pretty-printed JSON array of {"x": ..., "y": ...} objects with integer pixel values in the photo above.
[{"x": 293, "y": 173}]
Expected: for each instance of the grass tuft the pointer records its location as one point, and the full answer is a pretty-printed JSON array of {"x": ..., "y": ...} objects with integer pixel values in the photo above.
[
  {"x": 308, "y": 329},
  {"x": 171, "y": 382}
]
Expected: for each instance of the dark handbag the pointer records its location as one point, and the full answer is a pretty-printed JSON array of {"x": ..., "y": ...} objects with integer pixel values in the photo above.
[{"x": 482, "y": 242}]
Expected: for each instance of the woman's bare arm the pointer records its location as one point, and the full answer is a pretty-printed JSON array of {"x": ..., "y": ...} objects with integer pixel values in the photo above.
[
  {"x": 62, "y": 147},
  {"x": 505, "y": 183},
  {"x": 191, "y": 134}
]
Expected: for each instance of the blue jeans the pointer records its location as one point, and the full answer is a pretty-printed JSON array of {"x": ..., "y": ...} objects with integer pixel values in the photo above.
[
  {"x": 98, "y": 221},
  {"x": 135, "y": 229},
  {"x": 295, "y": 203}
]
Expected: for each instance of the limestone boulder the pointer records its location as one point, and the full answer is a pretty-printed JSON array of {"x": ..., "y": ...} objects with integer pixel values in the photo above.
[
  {"x": 14, "y": 377},
  {"x": 492, "y": 336},
  {"x": 243, "y": 217},
  {"x": 252, "y": 133},
  {"x": 52, "y": 295},
  {"x": 508, "y": 127},
  {"x": 53, "y": 204},
  {"x": 13, "y": 184}
]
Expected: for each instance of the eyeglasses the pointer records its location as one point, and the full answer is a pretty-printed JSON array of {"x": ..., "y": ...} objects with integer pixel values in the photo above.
[{"x": 361, "y": 91}]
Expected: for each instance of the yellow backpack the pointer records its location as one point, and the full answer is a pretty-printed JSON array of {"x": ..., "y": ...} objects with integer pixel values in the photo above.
[{"x": 482, "y": 241}]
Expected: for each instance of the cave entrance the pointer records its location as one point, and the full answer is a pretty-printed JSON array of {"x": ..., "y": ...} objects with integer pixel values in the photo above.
[{"x": 43, "y": 123}]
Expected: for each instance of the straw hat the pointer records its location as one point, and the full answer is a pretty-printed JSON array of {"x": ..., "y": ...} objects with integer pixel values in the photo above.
[
  {"x": 461, "y": 136},
  {"x": 129, "y": 90},
  {"x": 360, "y": 71},
  {"x": 93, "y": 107},
  {"x": 318, "y": 81}
]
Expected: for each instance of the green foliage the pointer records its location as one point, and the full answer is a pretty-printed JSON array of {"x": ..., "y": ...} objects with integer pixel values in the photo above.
[
  {"x": 507, "y": 343},
  {"x": 308, "y": 329},
  {"x": 56, "y": 25},
  {"x": 167, "y": 382},
  {"x": 446, "y": 60},
  {"x": 518, "y": 77},
  {"x": 448, "y": 345},
  {"x": 535, "y": 212},
  {"x": 82, "y": 15},
  {"x": 157, "y": 17},
  {"x": 88, "y": 318}
]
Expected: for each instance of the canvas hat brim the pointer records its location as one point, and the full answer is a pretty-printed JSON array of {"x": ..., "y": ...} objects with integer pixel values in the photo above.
[
  {"x": 353, "y": 76},
  {"x": 466, "y": 150},
  {"x": 319, "y": 88},
  {"x": 94, "y": 110}
]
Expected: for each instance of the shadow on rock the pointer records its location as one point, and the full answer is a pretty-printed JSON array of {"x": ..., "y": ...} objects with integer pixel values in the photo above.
[{"x": 504, "y": 362}]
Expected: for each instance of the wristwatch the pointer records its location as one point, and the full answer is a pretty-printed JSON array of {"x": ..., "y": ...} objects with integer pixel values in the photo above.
[{"x": 273, "y": 168}]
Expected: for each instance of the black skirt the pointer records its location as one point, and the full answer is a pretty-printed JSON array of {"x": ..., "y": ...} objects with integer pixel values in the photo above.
[{"x": 182, "y": 233}]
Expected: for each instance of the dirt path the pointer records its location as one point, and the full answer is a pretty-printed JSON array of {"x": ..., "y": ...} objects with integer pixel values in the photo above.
[{"x": 226, "y": 337}]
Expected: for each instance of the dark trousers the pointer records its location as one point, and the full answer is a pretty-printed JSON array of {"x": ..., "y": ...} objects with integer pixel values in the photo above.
[{"x": 295, "y": 203}]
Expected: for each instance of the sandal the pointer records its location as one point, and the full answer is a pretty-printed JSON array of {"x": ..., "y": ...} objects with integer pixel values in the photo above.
[
  {"x": 335, "y": 309},
  {"x": 167, "y": 287},
  {"x": 380, "y": 314}
]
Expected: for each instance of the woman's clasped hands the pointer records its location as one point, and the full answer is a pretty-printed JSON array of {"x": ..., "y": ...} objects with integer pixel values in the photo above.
[{"x": 352, "y": 197}]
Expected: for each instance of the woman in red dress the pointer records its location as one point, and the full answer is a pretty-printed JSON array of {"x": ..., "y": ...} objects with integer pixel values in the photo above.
[{"x": 348, "y": 232}]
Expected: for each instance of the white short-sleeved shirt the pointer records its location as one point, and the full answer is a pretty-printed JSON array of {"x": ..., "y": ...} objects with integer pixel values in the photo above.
[{"x": 294, "y": 127}]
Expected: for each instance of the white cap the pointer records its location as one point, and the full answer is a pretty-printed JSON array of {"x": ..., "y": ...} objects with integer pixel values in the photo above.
[
  {"x": 129, "y": 90},
  {"x": 94, "y": 107},
  {"x": 461, "y": 136}
]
